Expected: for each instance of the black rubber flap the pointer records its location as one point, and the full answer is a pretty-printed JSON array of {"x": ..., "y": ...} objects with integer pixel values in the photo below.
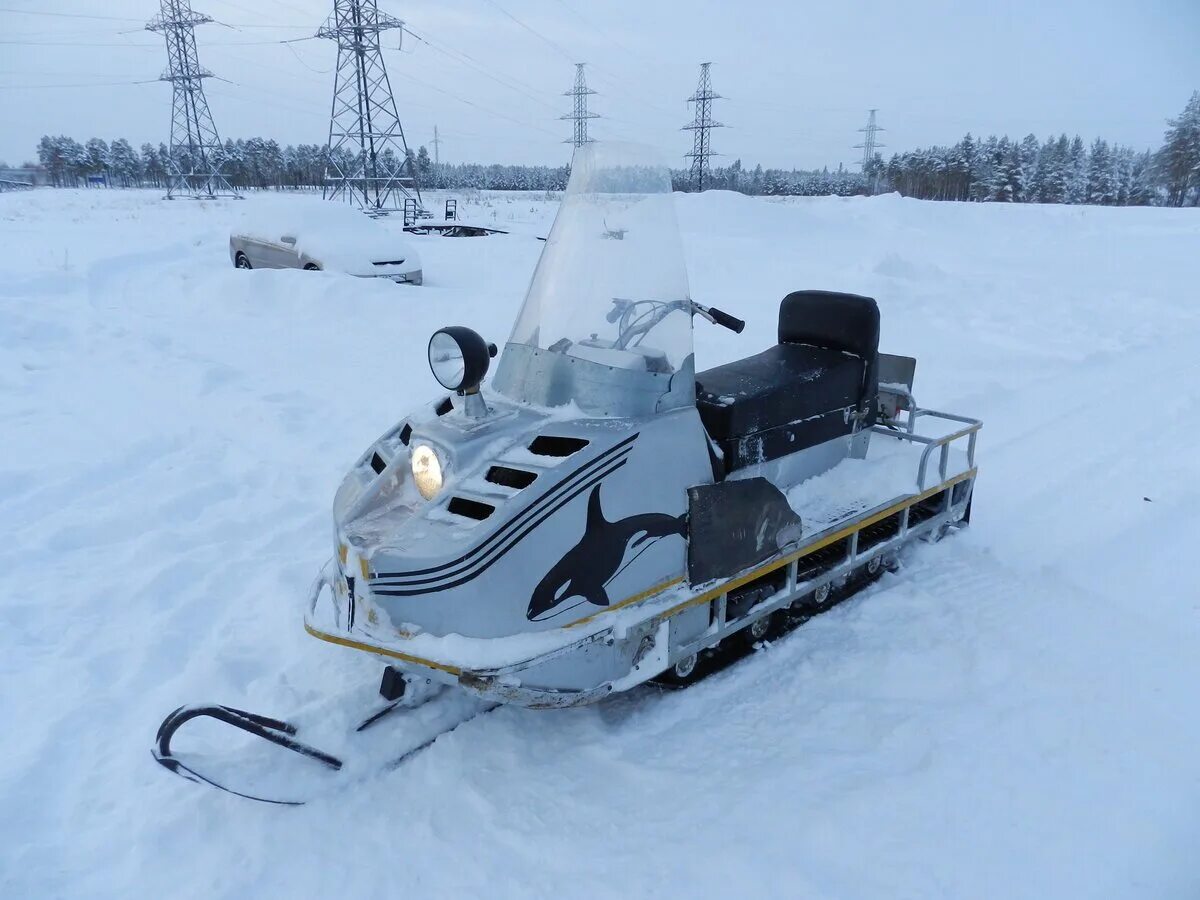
[{"x": 735, "y": 525}]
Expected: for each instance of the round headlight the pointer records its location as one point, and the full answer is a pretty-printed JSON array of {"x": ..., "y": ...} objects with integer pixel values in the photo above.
[
  {"x": 427, "y": 471},
  {"x": 459, "y": 358}
]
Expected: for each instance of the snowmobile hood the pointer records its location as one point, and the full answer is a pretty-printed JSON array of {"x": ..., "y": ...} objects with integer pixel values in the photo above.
[
  {"x": 606, "y": 322},
  {"x": 542, "y": 518}
]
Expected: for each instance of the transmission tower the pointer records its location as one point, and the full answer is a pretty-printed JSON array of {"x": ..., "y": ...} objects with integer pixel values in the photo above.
[
  {"x": 869, "y": 144},
  {"x": 700, "y": 126},
  {"x": 196, "y": 152},
  {"x": 579, "y": 114},
  {"x": 368, "y": 163}
]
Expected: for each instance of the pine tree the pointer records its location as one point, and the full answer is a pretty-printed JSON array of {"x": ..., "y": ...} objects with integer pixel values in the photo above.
[
  {"x": 1179, "y": 159},
  {"x": 124, "y": 163},
  {"x": 96, "y": 159},
  {"x": 1144, "y": 189},
  {"x": 1101, "y": 186},
  {"x": 1027, "y": 169},
  {"x": 1076, "y": 170}
]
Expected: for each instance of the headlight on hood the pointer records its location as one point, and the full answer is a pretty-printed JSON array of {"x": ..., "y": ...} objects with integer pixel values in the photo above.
[{"x": 427, "y": 470}]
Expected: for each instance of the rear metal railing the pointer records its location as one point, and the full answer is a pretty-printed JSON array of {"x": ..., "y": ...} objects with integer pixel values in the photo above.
[{"x": 905, "y": 429}]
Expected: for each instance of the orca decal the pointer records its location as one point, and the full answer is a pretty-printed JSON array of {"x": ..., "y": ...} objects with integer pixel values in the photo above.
[{"x": 585, "y": 569}]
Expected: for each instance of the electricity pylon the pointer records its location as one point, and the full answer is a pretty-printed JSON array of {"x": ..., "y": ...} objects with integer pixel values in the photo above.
[
  {"x": 368, "y": 163},
  {"x": 194, "y": 163},
  {"x": 700, "y": 126},
  {"x": 579, "y": 114},
  {"x": 869, "y": 145}
]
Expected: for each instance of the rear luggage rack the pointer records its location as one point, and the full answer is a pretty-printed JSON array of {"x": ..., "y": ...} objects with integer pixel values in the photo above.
[{"x": 904, "y": 429}]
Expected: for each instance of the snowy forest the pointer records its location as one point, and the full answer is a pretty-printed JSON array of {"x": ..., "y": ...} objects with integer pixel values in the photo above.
[{"x": 1058, "y": 169}]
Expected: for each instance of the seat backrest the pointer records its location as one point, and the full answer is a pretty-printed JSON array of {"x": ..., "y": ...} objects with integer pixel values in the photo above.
[{"x": 831, "y": 320}]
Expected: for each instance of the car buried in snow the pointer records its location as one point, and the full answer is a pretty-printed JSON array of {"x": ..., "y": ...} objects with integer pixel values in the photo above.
[{"x": 323, "y": 236}]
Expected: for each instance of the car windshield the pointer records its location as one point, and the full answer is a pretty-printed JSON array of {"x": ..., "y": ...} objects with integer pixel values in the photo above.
[{"x": 611, "y": 285}]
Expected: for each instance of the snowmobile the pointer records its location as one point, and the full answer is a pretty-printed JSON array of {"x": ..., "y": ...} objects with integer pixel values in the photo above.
[{"x": 601, "y": 514}]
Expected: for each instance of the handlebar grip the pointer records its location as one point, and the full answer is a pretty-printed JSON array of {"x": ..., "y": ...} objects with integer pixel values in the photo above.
[{"x": 733, "y": 323}]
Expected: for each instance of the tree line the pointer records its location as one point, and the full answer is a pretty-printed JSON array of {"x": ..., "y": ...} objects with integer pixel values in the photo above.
[
  {"x": 1055, "y": 170},
  {"x": 261, "y": 163}
]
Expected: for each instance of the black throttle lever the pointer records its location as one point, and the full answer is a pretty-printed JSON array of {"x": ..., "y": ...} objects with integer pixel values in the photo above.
[{"x": 718, "y": 317}]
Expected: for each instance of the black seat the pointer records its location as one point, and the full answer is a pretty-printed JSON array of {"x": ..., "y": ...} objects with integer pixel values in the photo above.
[{"x": 818, "y": 383}]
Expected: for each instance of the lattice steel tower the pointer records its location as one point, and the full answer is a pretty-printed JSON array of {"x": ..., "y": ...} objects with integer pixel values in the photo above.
[
  {"x": 869, "y": 144},
  {"x": 368, "y": 162},
  {"x": 579, "y": 114},
  {"x": 700, "y": 126},
  {"x": 196, "y": 151}
]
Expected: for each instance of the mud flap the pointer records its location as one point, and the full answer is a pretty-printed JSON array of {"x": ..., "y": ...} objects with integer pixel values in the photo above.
[{"x": 735, "y": 525}]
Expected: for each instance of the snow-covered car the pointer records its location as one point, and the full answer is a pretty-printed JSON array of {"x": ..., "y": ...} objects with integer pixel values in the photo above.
[{"x": 316, "y": 235}]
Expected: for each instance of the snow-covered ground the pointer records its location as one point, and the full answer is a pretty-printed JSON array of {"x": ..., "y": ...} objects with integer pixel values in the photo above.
[{"x": 1012, "y": 715}]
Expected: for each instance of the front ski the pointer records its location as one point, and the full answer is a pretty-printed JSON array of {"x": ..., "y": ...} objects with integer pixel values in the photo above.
[
  {"x": 276, "y": 731},
  {"x": 284, "y": 734}
]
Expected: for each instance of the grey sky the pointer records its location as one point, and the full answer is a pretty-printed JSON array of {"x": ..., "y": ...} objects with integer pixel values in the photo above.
[{"x": 798, "y": 76}]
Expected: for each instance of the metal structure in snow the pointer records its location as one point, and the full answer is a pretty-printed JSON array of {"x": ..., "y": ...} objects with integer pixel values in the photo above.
[
  {"x": 870, "y": 142},
  {"x": 579, "y": 114},
  {"x": 368, "y": 162},
  {"x": 195, "y": 148},
  {"x": 700, "y": 126}
]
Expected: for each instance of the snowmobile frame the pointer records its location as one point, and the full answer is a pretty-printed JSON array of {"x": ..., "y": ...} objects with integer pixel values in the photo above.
[{"x": 829, "y": 559}]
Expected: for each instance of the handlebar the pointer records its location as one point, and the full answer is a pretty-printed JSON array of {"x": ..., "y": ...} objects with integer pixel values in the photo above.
[
  {"x": 717, "y": 317},
  {"x": 632, "y": 326}
]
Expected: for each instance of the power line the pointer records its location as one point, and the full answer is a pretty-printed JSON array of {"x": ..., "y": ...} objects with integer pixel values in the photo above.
[
  {"x": 73, "y": 44},
  {"x": 151, "y": 46},
  {"x": 466, "y": 59},
  {"x": 484, "y": 109},
  {"x": 300, "y": 60},
  {"x": 530, "y": 29},
  {"x": 86, "y": 84},
  {"x": 59, "y": 15}
]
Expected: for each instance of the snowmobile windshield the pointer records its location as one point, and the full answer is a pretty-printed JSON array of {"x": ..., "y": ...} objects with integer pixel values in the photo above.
[{"x": 611, "y": 285}]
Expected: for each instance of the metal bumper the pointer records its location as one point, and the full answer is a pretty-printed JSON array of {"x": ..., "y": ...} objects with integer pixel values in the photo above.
[{"x": 500, "y": 684}]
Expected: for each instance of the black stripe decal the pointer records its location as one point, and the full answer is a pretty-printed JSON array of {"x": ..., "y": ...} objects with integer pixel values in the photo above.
[
  {"x": 496, "y": 551},
  {"x": 471, "y": 576},
  {"x": 532, "y": 510}
]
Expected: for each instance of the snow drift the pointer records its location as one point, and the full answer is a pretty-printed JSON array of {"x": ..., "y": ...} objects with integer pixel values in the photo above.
[{"x": 1010, "y": 716}]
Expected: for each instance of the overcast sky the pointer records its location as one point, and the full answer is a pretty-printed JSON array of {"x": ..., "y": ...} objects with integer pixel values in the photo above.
[{"x": 798, "y": 76}]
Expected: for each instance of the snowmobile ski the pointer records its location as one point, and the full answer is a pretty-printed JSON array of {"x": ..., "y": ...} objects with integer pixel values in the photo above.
[{"x": 283, "y": 734}]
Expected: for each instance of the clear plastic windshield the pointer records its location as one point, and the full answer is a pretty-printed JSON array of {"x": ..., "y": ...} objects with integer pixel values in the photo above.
[{"x": 611, "y": 286}]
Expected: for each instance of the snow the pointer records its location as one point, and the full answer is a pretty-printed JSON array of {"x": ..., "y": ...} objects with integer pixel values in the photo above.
[
  {"x": 854, "y": 486},
  {"x": 1011, "y": 715}
]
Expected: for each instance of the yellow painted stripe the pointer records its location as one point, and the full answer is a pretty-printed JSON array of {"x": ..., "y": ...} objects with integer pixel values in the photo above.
[
  {"x": 819, "y": 545},
  {"x": 383, "y": 651},
  {"x": 698, "y": 600}
]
